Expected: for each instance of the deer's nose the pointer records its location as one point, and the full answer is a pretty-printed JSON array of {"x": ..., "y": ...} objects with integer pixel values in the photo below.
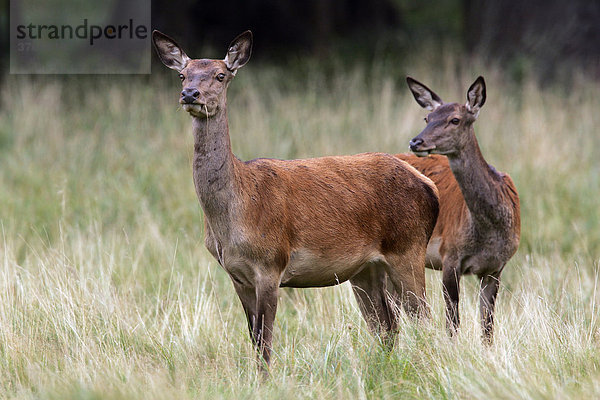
[
  {"x": 189, "y": 95},
  {"x": 415, "y": 143}
]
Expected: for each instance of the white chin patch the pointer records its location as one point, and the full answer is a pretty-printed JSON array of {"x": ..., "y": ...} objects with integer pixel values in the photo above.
[
  {"x": 421, "y": 153},
  {"x": 193, "y": 108},
  {"x": 197, "y": 110}
]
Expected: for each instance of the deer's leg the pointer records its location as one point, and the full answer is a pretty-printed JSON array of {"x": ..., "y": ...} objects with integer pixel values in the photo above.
[
  {"x": 266, "y": 308},
  {"x": 407, "y": 272},
  {"x": 373, "y": 300},
  {"x": 451, "y": 288},
  {"x": 247, "y": 295},
  {"x": 487, "y": 301},
  {"x": 260, "y": 306}
]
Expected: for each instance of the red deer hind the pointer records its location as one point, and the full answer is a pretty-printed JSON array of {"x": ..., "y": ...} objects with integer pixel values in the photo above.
[
  {"x": 479, "y": 225},
  {"x": 302, "y": 223}
]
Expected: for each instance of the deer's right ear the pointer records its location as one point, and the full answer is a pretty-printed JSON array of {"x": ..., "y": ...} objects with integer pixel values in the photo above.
[
  {"x": 239, "y": 52},
  {"x": 169, "y": 51},
  {"x": 476, "y": 96},
  {"x": 423, "y": 95}
]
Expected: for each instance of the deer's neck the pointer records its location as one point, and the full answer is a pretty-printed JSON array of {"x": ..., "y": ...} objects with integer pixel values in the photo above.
[
  {"x": 478, "y": 182},
  {"x": 214, "y": 167}
]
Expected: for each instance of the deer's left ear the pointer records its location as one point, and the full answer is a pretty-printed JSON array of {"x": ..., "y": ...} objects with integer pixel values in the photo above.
[
  {"x": 476, "y": 96},
  {"x": 239, "y": 52}
]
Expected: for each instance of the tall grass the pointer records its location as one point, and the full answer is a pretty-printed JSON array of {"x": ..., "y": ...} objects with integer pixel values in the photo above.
[{"x": 106, "y": 290}]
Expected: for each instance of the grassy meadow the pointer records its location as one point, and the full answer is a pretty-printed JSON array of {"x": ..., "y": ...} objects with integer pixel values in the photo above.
[{"x": 107, "y": 291}]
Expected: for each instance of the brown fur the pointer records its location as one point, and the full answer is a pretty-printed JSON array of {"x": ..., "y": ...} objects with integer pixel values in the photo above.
[
  {"x": 454, "y": 213},
  {"x": 479, "y": 224},
  {"x": 302, "y": 223},
  {"x": 287, "y": 206}
]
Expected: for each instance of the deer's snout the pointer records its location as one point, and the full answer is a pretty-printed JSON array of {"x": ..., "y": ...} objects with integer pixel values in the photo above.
[
  {"x": 415, "y": 143},
  {"x": 189, "y": 95},
  {"x": 420, "y": 147}
]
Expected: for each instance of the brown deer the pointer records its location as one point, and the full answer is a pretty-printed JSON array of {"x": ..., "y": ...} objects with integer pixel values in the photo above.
[
  {"x": 302, "y": 223},
  {"x": 479, "y": 225}
]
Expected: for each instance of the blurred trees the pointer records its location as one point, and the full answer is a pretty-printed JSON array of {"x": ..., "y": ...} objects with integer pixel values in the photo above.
[
  {"x": 546, "y": 34},
  {"x": 549, "y": 34},
  {"x": 280, "y": 25}
]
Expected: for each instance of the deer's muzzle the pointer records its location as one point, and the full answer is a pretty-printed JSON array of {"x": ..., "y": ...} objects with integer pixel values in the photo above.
[
  {"x": 189, "y": 95},
  {"x": 419, "y": 147}
]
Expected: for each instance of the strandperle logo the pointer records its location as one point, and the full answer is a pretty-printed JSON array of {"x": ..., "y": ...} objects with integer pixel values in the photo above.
[
  {"x": 83, "y": 31},
  {"x": 80, "y": 37}
]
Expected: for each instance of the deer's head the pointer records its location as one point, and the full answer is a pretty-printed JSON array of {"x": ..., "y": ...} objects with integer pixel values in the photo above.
[
  {"x": 204, "y": 81},
  {"x": 448, "y": 124}
]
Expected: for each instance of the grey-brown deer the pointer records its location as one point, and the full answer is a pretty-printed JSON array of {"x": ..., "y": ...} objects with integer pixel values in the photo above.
[
  {"x": 479, "y": 225},
  {"x": 302, "y": 223}
]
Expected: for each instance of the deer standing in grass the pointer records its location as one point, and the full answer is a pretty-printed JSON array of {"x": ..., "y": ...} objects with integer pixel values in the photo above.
[
  {"x": 302, "y": 223},
  {"x": 479, "y": 225}
]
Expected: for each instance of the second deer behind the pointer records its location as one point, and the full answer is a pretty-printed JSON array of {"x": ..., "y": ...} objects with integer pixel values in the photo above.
[{"x": 479, "y": 226}]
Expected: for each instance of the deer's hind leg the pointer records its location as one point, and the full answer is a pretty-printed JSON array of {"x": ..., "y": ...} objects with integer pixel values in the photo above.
[
  {"x": 374, "y": 301},
  {"x": 406, "y": 270}
]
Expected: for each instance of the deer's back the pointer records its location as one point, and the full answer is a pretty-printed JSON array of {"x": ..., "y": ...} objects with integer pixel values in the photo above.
[{"x": 340, "y": 195}]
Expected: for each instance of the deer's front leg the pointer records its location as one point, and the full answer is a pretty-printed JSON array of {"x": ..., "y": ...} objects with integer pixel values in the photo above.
[
  {"x": 451, "y": 283},
  {"x": 487, "y": 301},
  {"x": 247, "y": 295},
  {"x": 260, "y": 305}
]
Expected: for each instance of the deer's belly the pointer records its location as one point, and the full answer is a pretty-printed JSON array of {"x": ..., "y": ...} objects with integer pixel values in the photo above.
[{"x": 307, "y": 269}]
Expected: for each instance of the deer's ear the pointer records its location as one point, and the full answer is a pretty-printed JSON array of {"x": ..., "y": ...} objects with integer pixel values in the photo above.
[
  {"x": 476, "y": 96},
  {"x": 239, "y": 52},
  {"x": 169, "y": 51},
  {"x": 426, "y": 97}
]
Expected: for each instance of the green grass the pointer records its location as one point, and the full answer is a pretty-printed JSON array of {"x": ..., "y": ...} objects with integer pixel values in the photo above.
[{"x": 106, "y": 290}]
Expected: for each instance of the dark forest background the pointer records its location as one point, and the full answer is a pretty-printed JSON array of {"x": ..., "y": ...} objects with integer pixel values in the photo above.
[{"x": 550, "y": 37}]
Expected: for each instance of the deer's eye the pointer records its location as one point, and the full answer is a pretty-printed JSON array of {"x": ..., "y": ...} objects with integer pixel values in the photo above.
[
  {"x": 220, "y": 77},
  {"x": 455, "y": 121},
  {"x": 181, "y": 77}
]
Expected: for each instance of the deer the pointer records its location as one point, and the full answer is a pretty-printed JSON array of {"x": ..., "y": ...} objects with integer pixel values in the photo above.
[
  {"x": 479, "y": 224},
  {"x": 301, "y": 223}
]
